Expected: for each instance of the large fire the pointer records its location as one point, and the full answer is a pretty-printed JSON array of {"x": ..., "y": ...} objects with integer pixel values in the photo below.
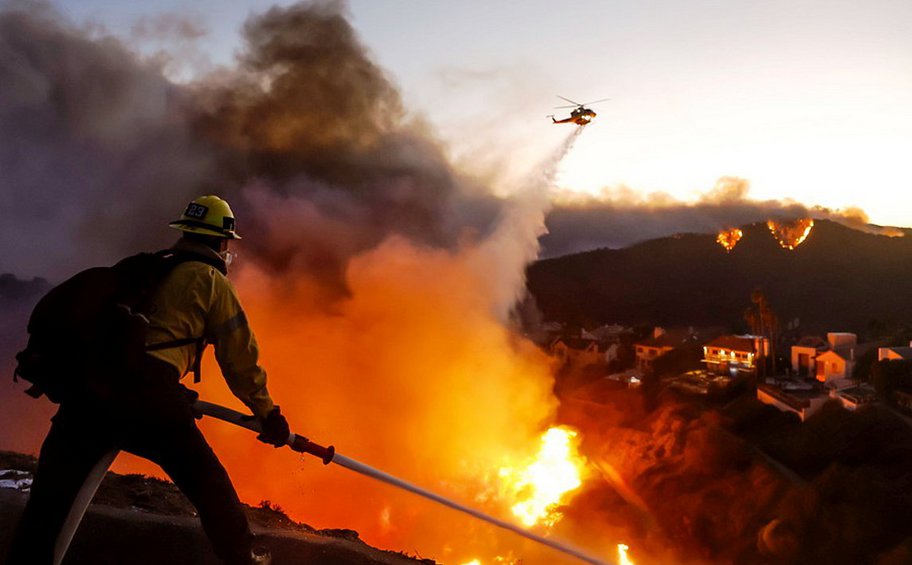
[
  {"x": 540, "y": 487},
  {"x": 791, "y": 234},
  {"x": 729, "y": 238},
  {"x": 623, "y": 558},
  {"x": 413, "y": 374}
]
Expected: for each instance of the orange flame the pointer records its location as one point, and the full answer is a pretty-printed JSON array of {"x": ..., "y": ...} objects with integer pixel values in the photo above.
[
  {"x": 623, "y": 558},
  {"x": 729, "y": 238},
  {"x": 413, "y": 374},
  {"x": 791, "y": 234},
  {"x": 541, "y": 486}
]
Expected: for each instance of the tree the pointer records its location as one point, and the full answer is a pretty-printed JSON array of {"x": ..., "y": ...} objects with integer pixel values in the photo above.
[
  {"x": 864, "y": 365},
  {"x": 763, "y": 322}
]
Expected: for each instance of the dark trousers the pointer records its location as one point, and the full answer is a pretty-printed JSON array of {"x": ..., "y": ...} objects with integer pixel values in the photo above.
[{"x": 151, "y": 418}]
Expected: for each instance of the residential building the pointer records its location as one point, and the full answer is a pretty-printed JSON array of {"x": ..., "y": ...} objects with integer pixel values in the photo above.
[
  {"x": 801, "y": 399},
  {"x": 830, "y": 362},
  {"x": 804, "y": 355},
  {"x": 653, "y": 347},
  {"x": 735, "y": 355},
  {"x": 608, "y": 333},
  {"x": 895, "y": 353},
  {"x": 581, "y": 351},
  {"x": 662, "y": 341},
  {"x": 834, "y": 368}
]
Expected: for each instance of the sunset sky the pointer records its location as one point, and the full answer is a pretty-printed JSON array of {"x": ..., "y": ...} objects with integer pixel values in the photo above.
[{"x": 807, "y": 100}]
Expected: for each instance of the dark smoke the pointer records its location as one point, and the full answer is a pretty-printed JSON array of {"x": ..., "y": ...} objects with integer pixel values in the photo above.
[
  {"x": 323, "y": 128},
  {"x": 93, "y": 147},
  {"x": 627, "y": 218},
  {"x": 307, "y": 137}
]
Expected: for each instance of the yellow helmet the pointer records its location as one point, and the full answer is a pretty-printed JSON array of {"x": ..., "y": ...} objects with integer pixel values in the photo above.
[{"x": 207, "y": 215}]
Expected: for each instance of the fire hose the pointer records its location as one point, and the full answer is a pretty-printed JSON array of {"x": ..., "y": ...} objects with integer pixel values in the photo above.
[{"x": 328, "y": 455}]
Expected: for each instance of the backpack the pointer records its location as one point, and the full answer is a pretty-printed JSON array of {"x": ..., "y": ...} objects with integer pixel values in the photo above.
[{"x": 88, "y": 333}]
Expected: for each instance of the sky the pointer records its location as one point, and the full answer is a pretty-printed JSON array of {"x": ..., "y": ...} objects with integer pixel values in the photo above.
[{"x": 807, "y": 100}]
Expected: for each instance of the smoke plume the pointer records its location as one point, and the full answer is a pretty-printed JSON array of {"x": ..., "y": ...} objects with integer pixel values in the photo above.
[
  {"x": 622, "y": 217},
  {"x": 98, "y": 142}
]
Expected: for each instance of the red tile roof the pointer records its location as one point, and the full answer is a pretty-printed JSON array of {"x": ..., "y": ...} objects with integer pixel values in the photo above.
[{"x": 734, "y": 343}]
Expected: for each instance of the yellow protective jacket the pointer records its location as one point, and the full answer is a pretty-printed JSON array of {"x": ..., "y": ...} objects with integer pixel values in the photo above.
[{"x": 197, "y": 300}]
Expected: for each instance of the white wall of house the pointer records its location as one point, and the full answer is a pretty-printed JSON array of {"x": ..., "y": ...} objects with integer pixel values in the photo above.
[
  {"x": 814, "y": 404},
  {"x": 811, "y": 353},
  {"x": 892, "y": 353},
  {"x": 852, "y": 402},
  {"x": 832, "y": 366},
  {"x": 838, "y": 340},
  {"x": 887, "y": 354}
]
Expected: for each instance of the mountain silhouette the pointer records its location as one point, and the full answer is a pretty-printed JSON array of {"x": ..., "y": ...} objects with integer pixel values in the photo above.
[{"x": 839, "y": 279}]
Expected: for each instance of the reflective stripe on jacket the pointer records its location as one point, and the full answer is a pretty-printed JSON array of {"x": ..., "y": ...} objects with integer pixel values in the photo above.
[{"x": 195, "y": 300}]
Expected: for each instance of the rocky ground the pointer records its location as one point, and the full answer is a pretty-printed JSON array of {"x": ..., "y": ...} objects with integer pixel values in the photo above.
[{"x": 141, "y": 520}]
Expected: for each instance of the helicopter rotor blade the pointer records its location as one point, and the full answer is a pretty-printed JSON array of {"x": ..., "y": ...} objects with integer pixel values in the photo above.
[
  {"x": 568, "y": 100},
  {"x": 574, "y": 106},
  {"x": 596, "y": 101}
]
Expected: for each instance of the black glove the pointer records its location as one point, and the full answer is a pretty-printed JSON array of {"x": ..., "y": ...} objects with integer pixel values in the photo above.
[
  {"x": 275, "y": 429},
  {"x": 190, "y": 394}
]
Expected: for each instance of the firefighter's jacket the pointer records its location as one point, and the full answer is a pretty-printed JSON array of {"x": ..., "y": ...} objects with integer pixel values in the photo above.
[{"x": 197, "y": 300}]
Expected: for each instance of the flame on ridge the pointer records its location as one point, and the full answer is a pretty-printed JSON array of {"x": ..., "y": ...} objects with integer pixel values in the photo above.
[
  {"x": 791, "y": 234},
  {"x": 729, "y": 238}
]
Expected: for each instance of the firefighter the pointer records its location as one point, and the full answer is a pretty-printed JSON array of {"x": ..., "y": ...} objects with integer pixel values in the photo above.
[{"x": 152, "y": 416}]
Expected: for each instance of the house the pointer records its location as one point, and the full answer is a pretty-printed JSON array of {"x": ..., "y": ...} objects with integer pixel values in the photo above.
[
  {"x": 735, "y": 355},
  {"x": 830, "y": 362},
  {"x": 661, "y": 342},
  {"x": 834, "y": 368},
  {"x": 804, "y": 355},
  {"x": 800, "y": 398},
  {"x": 895, "y": 353},
  {"x": 580, "y": 352},
  {"x": 651, "y": 348},
  {"x": 608, "y": 333}
]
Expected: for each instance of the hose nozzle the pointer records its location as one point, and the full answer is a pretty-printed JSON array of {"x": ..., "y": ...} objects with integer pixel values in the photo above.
[{"x": 303, "y": 445}]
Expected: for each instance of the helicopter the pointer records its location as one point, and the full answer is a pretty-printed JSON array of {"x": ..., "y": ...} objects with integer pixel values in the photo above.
[{"x": 580, "y": 115}]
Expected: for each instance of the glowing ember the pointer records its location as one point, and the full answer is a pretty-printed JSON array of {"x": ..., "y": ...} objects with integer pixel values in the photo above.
[
  {"x": 623, "y": 559},
  {"x": 473, "y": 562},
  {"x": 542, "y": 485},
  {"x": 729, "y": 238},
  {"x": 791, "y": 234}
]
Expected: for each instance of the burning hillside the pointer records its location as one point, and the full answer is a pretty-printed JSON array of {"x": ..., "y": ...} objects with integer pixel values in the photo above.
[
  {"x": 791, "y": 234},
  {"x": 729, "y": 238},
  {"x": 788, "y": 234}
]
